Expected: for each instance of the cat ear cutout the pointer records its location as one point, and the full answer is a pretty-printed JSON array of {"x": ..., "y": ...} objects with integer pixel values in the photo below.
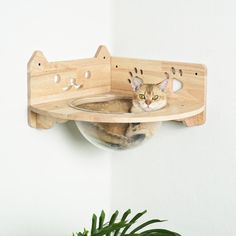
[
  {"x": 136, "y": 83},
  {"x": 37, "y": 62},
  {"x": 163, "y": 85},
  {"x": 102, "y": 53}
]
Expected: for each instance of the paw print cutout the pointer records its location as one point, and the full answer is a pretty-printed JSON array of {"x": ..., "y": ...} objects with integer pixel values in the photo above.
[
  {"x": 135, "y": 78},
  {"x": 135, "y": 74},
  {"x": 174, "y": 74}
]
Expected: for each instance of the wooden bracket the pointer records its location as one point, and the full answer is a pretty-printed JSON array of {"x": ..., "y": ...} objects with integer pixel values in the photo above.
[
  {"x": 36, "y": 63},
  {"x": 198, "y": 119},
  {"x": 42, "y": 122}
]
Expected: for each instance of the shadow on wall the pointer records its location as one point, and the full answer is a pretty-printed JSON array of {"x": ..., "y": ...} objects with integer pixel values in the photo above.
[
  {"x": 139, "y": 173},
  {"x": 151, "y": 178},
  {"x": 73, "y": 134}
]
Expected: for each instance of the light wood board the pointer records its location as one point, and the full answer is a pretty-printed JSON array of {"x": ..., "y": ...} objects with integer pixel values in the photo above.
[{"x": 50, "y": 101}]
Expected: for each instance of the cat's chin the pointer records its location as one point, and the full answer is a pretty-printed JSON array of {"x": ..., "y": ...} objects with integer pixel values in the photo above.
[
  {"x": 148, "y": 109},
  {"x": 137, "y": 107},
  {"x": 152, "y": 108}
]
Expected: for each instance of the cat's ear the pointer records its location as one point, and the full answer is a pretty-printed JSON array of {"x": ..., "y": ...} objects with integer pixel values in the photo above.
[
  {"x": 136, "y": 83},
  {"x": 163, "y": 85}
]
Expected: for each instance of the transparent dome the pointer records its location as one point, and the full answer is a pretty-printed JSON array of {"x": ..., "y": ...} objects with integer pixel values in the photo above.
[{"x": 117, "y": 136}]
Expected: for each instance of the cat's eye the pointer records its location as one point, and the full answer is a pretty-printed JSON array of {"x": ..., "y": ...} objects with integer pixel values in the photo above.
[
  {"x": 155, "y": 97},
  {"x": 141, "y": 96}
]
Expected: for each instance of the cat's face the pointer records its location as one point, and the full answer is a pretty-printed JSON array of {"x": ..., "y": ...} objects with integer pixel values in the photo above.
[{"x": 149, "y": 97}]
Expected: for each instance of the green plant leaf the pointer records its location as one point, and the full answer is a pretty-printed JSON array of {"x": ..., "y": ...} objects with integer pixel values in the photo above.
[
  {"x": 134, "y": 219},
  {"x": 114, "y": 227},
  {"x": 145, "y": 224},
  {"x": 77, "y": 234},
  {"x": 112, "y": 220},
  {"x": 159, "y": 232},
  {"x": 94, "y": 224},
  {"x": 125, "y": 215},
  {"x": 113, "y": 217},
  {"x": 131, "y": 234},
  {"x": 110, "y": 228},
  {"x": 101, "y": 219},
  {"x": 85, "y": 232}
]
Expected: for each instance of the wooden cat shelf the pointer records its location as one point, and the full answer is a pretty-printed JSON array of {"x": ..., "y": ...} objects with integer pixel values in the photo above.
[{"x": 55, "y": 89}]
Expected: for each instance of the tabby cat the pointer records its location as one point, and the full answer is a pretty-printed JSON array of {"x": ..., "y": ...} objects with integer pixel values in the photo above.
[{"x": 146, "y": 98}]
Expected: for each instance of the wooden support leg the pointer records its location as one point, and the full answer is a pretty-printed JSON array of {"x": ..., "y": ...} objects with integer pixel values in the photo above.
[
  {"x": 195, "y": 120},
  {"x": 42, "y": 122},
  {"x": 32, "y": 119}
]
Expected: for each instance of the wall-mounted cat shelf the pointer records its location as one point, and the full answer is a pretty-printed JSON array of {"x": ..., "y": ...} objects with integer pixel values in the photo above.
[{"x": 57, "y": 89}]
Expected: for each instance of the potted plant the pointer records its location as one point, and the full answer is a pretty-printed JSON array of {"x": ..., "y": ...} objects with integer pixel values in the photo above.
[{"x": 121, "y": 227}]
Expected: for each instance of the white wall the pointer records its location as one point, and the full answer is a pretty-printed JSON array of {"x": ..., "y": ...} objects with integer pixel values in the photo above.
[
  {"x": 185, "y": 175},
  {"x": 51, "y": 181}
]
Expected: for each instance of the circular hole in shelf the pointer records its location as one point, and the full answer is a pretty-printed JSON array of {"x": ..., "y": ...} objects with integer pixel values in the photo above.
[
  {"x": 196, "y": 73},
  {"x": 104, "y": 57},
  {"x": 39, "y": 64},
  {"x": 87, "y": 74},
  {"x": 116, "y": 66},
  {"x": 57, "y": 78}
]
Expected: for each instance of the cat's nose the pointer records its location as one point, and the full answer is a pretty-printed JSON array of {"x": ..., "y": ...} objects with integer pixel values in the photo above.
[{"x": 148, "y": 102}]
